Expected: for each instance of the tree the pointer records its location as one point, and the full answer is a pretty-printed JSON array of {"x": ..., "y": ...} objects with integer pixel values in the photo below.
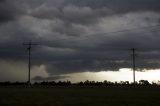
[{"x": 144, "y": 82}]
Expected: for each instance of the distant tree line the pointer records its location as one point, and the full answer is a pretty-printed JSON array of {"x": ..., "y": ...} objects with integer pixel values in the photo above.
[{"x": 85, "y": 83}]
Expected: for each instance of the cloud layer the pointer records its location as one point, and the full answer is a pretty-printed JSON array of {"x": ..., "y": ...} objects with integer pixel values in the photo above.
[{"x": 77, "y": 35}]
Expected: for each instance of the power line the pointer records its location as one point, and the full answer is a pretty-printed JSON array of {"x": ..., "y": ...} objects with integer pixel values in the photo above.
[
  {"x": 87, "y": 36},
  {"x": 29, "y": 48}
]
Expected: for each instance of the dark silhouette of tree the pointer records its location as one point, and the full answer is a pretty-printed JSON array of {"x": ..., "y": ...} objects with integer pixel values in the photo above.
[
  {"x": 144, "y": 82},
  {"x": 86, "y": 83}
]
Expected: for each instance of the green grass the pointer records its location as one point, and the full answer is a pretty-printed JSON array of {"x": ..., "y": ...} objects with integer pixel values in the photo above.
[{"x": 76, "y": 96}]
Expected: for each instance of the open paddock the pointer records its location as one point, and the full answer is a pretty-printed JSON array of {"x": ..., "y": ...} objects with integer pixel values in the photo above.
[{"x": 81, "y": 96}]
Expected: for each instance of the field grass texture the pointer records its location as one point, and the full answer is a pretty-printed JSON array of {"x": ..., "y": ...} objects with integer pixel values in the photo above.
[{"x": 80, "y": 96}]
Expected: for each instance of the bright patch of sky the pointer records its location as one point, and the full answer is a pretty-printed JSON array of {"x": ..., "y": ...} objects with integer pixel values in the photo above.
[{"x": 123, "y": 74}]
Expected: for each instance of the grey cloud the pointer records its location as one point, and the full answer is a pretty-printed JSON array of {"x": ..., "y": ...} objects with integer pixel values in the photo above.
[
  {"x": 15, "y": 70},
  {"x": 53, "y": 78},
  {"x": 90, "y": 11},
  {"x": 9, "y": 10},
  {"x": 91, "y": 47},
  {"x": 5, "y": 14},
  {"x": 78, "y": 11},
  {"x": 120, "y": 6}
]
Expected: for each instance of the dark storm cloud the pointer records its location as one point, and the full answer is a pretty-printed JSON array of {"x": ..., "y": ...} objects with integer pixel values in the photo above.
[
  {"x": 75, "y": 35},
  {"x": 5, "y": 14},
  {"x": 89, "y": 11},
  {"x": 39, "y": 78},
  {"x": 119, "y": 6},
  {"x": 8, "y": 11}
]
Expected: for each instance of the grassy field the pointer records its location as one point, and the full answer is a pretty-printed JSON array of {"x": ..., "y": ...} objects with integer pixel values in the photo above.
[{"x": 78, "y": 96}]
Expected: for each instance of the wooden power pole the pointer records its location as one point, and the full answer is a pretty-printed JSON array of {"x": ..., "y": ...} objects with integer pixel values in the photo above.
[
  {"x": 29, "y": 48},
  {"x": 134, "y": 65}
]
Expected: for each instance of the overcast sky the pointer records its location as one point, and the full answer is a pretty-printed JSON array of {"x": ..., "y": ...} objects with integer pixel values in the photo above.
[{"x": 77, "y": 36}]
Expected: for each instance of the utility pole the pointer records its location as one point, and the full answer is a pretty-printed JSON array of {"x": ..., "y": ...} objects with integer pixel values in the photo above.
[
  {"x": 29, "y": 48},
  {"x": 134, "y": 65}
]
